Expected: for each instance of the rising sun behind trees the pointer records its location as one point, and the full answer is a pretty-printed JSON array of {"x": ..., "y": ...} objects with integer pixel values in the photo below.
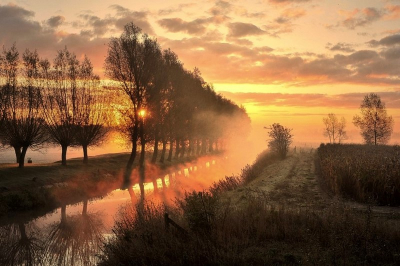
[
  {"x": 375, "y": 125},
  {"x": 180, "y": 106}
]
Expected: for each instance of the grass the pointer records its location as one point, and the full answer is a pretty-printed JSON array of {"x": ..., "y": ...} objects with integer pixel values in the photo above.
[
  {"x": 257, "y": 234},
  {"x": 366, "y": 173}
]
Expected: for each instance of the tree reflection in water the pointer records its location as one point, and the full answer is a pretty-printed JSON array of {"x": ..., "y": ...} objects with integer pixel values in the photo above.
[
  {"x": 76, "y": 239},
  {"x": 20, "y": 244}
]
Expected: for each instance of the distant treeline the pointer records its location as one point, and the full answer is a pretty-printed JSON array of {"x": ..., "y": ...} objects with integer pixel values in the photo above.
[{"x": 151, "y": 98}]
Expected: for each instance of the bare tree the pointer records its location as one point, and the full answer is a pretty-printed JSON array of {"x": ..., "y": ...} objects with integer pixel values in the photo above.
[
  {"x": 9, "y": 71},
  {"x": 335, "y": 129},
  {"x": 280, "y": 138},
  {"x": 91, "y": 110},
  {"x": 375, "y": 125},
  {"x": 59, "y": 101},
  {"x": 23, "y": 123}
]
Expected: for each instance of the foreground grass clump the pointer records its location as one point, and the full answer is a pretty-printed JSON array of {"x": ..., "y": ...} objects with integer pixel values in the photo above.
[
  {"x": 366, "y": 173},
  {"x": 213, "y": 233}
]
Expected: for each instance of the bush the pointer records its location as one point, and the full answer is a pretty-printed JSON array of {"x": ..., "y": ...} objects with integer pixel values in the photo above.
[{"x": 199, "y": 210}]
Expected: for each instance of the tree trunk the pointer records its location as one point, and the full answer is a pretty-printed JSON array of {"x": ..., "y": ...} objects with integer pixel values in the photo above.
[
  {"x": 198, "y": 149},
  {"x": 164, "y": 148},
  {"x": 132, "y": 157},
  {"x": 85, "y": 154},
  {"x": 22, "y": 157},
  {"x": 142, "y": 153},
  {"x": 210, "y": 146},
  {"x": 63, "y": 214},
  {"x": 171, "y": 147},
  {"x": 134, "y": 148},
  {"x": 141, "y": 182},
  {"x": 22, "y": 231},
  {"x": 64, "y": 154},
  {"x": 182, "y": 149},
  {"x": 203, "y": 146},
  {"x": 84, "y": 209},
  {"x": 155, "y": 151},
  {"x": 177, "y": 150},
  {"x": 190, "y": 151},
  {"x": 17, "y": 150}
]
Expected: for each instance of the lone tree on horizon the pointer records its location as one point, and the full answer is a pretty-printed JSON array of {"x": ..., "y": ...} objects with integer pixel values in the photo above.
[
  {"x": 280, "y": 139},
  {"x": 375, "y": 125},
  {"x": 334, "y": 129}
]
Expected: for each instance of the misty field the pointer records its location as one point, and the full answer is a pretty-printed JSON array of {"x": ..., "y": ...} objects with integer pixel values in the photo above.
[{"x": 366, "y": 173}]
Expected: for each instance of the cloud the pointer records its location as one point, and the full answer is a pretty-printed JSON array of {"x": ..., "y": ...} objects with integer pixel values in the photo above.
[
  {"x": 285, "y": 2},
  {"x": 241, "y": 29},
  {"x": 360, "y": 18},
  {"x": 393, "y": 12},
  {"x": 392, "y": 53},
  {"x": 290, "y": 14},
  {"x": 341, "y": 47},
  {"x": 55, "y": 21},
  {"x": 125, "y": 15},
  {"x": 221, "y": 8},
  {"x": 99, "y": 26},
  {"x": 284, "y": 22},
  {"x": 386, "y": 41},
  {"x": 345, "y": 101},
  {"x": 179, "y": 8},
  {"x": 178, "y": 25},
  {"x": 363, "y": 17}
]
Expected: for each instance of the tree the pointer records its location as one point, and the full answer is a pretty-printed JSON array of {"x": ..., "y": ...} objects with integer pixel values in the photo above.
[
  {"x": 130, "y": 61},
  {"x": 334, "y": 129},
  {"x": 59, "y": 101},
  {"x": 375, "y": 125},
  {"x": 280, "y": 139},
  {"x": 23, "y": 123},
  {"x": 91, "y": 110}
]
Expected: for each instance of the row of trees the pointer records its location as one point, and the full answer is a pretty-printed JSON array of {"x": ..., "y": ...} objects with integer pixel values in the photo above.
[
  {"x": 182, "y": 108},
  {"x": 42, "y": 103},
  {"x": 375, "y": 125},
  {"x": 152, "y": 99}
]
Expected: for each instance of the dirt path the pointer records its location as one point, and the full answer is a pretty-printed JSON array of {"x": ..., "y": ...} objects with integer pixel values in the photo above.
[{"x": 293, "y": 182}]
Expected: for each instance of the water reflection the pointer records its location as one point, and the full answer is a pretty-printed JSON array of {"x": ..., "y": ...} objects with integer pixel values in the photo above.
[
  {"x": 73, "y": 235},
  {"x": 21, "y": 244},
  {"x": 75, "y": 239}
]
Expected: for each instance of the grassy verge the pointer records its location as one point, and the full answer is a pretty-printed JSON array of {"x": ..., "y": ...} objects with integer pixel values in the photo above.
[
  {"x": 365, "y": 173},
  {"x": 248, "y": 173}
]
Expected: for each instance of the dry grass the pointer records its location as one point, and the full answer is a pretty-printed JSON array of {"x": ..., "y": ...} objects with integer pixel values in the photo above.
[
  {"x": 365, "y": 173},
  {"x": 257, "y": 234}
]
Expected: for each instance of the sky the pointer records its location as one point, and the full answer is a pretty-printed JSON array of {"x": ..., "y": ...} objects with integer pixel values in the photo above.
[{"x": 286, "y": 61}]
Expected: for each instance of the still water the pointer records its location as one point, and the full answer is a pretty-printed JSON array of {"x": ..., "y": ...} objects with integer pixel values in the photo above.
[{"x": 74, "y": 234}]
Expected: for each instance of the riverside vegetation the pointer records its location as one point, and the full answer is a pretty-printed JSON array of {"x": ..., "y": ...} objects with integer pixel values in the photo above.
[{"x": 217, "y": 232}]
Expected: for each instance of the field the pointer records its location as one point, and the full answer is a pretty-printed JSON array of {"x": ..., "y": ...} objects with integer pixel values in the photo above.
[{"x": 366, "y": 173}]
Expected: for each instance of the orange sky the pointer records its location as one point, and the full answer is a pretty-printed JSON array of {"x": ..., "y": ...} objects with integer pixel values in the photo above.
[{"x": 286, "y": 61}]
